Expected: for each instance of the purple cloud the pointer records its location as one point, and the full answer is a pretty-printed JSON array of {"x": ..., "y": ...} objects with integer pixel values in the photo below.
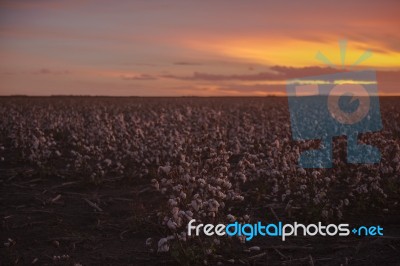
[
  {"x": 276, "y": 73},
  {"x": 138, "y": 77},
  {"x": 46, "y": 71}
]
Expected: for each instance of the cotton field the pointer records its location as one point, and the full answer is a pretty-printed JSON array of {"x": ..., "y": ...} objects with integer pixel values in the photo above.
[{"x": 216, "y": 160}]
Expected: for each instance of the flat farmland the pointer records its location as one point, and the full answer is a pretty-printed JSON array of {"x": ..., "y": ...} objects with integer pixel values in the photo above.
[{"x": 115, "y": 181}]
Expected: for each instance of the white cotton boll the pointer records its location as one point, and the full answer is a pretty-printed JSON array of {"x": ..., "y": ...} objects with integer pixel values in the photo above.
[
  {"x": 165, "y": 220},
  {"x": 221, "y": 195},
  {"x": 171, "y": 225},
  {"x": 242, "y": 177},
  {"x": 189, "y": 213},
  {"x": 227, "y": 185},
  {"x": 164, "y": 169},
  {"x": 149, "y": 242},
  {"x": 240, "y": 198},
  {"x": 178, "y": 187},
  {"x": 179, "y": 222},
  {"x": 155, "y": 184},
  {"x": 182, "y": 236},
  {"x": 346, "y": 202},
  {"x": 108, "y": 162},
  {"x": 231, "y": 218},
  {"x": 186, "y": 178},
  {"x": 194, "y": 205},
  {"x": 201, "y": 182},
  {"x": 277, "y": 144},
  {"x": 175, "y": 211},
  {"x": 163, "y": 245},
  {"x": 172, "y": 202},
  {"x": 182, "y": 195},
  {"x": 213, "y": 205}
]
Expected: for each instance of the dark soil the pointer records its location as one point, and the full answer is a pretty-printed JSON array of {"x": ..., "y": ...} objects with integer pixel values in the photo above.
[{"x": 45, "y": 217}]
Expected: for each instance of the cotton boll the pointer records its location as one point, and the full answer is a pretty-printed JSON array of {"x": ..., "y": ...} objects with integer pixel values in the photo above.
[
  {"x": 164, "y": 169},
  {"x": 255, "y": 248},
  {"x": 172, "y": 202},
  {"x": 149, "y": 242},
  {"x": 155, "y": 184},
  {"x": 239, "y": 198},
  {"x": 171, "y": 225},
  {"x": 242, "y": 177},
  {"x": 175, "y": 211},
  {"x": 346, "y": 202},
  {"x": 163, "y": 245},
  {"x": 231, "y": 218},
  {"x": 182, "y": 195},
  {"x": 108, "y": 162},
  {"x": 182, "y": 236},
  {"x": 189, "y": 213},
  {"x": 195, "y": 205}
]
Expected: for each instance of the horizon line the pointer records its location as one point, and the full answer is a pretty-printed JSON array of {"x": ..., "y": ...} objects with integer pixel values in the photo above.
[{"x": 177, "y": 96}]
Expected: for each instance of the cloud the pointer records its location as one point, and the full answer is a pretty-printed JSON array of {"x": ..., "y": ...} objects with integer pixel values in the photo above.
[
  {"x": 138, "y": 77},
  {"x": 257, "y": 84},
  {"x": 40, "y": 4},
  {"x": 231, "y": 90},
  {"x": 217, "y": 77},
  {"x": 276, "y": 73},
  {"x": 46, "y": 71},
  {"x": 296, "y": 72},
  {"x": 183, "y": 63}
]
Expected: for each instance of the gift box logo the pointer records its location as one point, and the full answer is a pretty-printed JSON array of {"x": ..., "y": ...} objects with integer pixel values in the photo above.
[{"x": 327, "y": 106}]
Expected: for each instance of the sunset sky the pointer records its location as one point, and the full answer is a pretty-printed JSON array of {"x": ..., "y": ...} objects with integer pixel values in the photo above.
[{"x": 189, "y": 48}]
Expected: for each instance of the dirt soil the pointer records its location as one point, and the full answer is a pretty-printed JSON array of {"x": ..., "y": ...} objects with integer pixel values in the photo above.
[{"x": 52, "y": 221}]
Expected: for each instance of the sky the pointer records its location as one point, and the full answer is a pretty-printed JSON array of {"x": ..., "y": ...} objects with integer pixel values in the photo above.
[{"x": 191, "y": 48}]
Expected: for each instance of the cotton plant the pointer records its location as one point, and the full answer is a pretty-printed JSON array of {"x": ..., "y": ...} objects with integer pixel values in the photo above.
[
  {"x": 199, "y": 188},
  {"x": 203, "y": 156}
]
